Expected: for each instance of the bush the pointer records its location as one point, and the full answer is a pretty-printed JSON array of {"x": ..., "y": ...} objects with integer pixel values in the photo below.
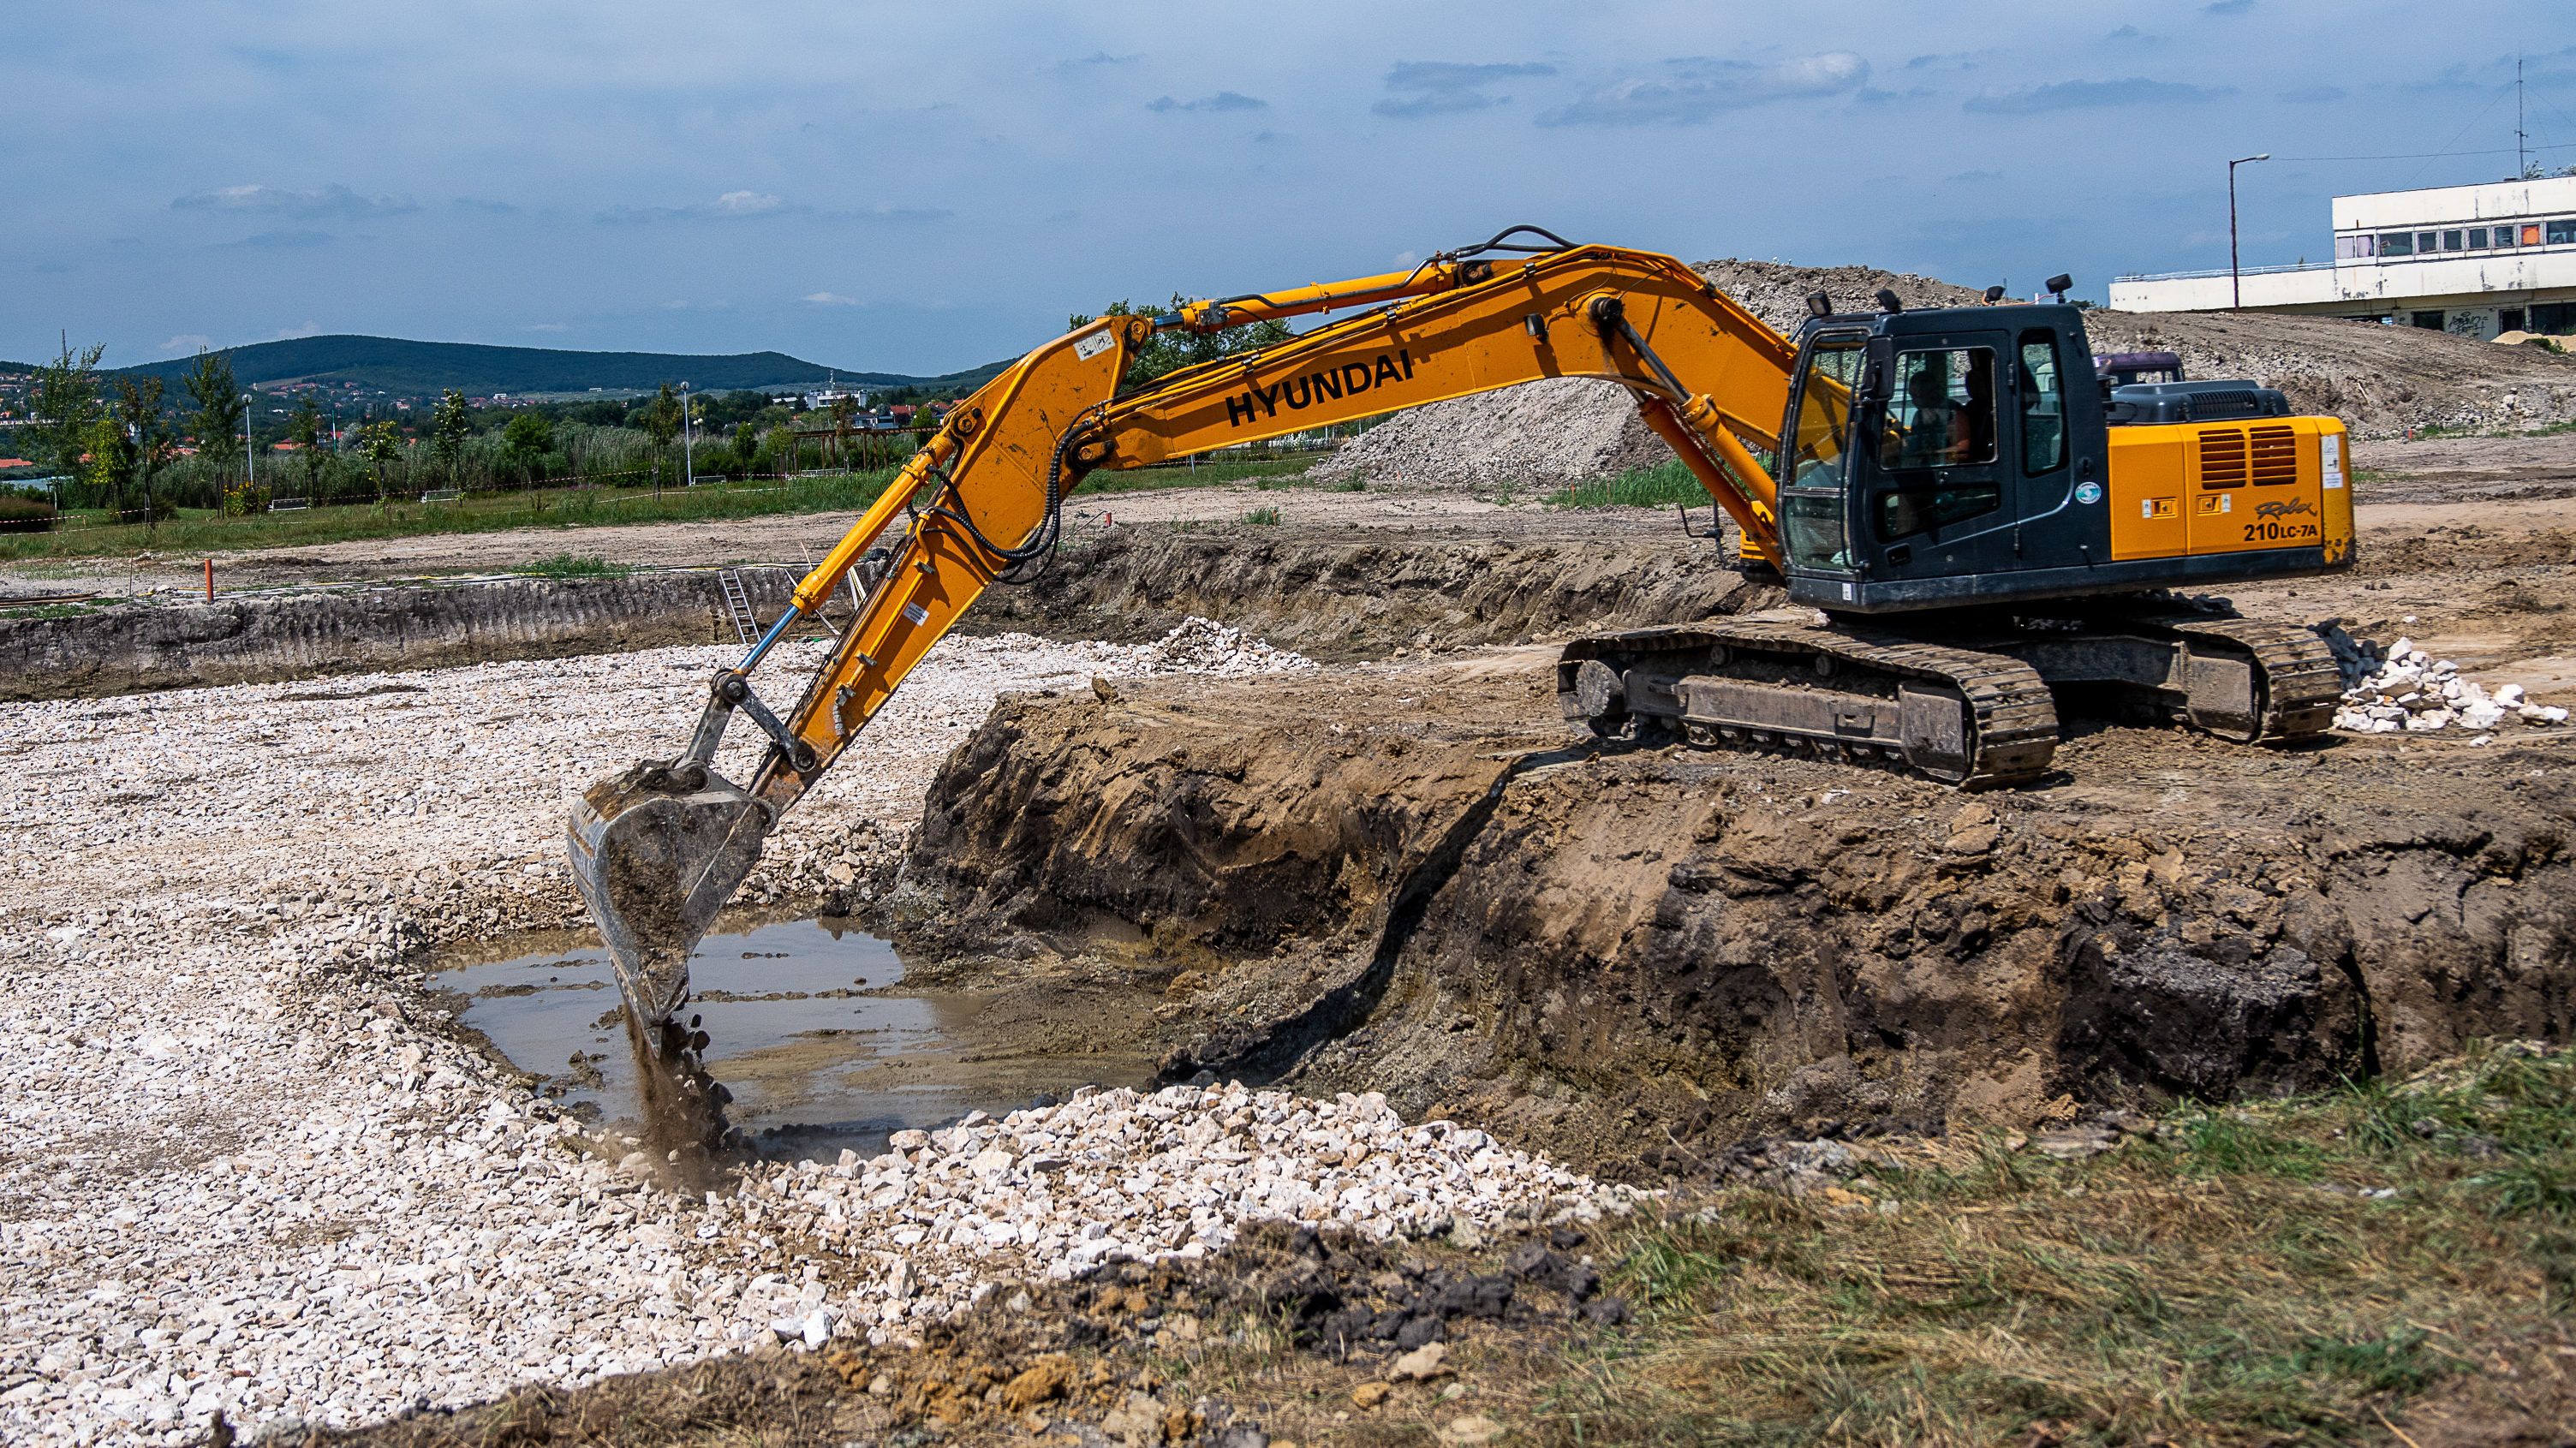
[{"x": 21, "y": 514}]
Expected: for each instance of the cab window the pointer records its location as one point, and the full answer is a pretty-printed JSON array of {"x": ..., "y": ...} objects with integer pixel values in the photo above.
[
  {"x": 1942, "y": 414},
  {"x": 2043, "y": 405},
  {"x": 1940, "y": 419},
  {"x": 1812, "y": 474}
]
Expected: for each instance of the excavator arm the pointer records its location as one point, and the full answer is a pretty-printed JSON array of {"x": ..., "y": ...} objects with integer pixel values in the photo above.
[{"x": 657, "y": 850}]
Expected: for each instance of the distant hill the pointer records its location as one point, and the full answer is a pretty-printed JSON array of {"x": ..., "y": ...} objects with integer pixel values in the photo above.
[{"x": 421, "y": 369}]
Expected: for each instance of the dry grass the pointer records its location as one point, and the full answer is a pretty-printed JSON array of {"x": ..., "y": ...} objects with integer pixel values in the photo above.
[{"x": 2238, "y": 1278}]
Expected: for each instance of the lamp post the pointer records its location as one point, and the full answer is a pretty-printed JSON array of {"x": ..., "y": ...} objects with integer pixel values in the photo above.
[
  {"x": 2235, "y": 283},
  {"x": 688, "y": 463},
  {"x": 250, "y": 448}
]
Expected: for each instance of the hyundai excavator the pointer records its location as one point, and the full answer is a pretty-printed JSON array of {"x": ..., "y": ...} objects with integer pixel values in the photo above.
[{"x": 1962, "y": 521}]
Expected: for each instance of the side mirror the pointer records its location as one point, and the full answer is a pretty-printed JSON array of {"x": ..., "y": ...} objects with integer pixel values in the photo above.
[
  {"x": 2058, "y": 284},
  {"x": 1994, "y": 295}
]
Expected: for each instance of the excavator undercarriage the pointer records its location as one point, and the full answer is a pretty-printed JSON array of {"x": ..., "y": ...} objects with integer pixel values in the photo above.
[{"x": 1963, "y": 703}]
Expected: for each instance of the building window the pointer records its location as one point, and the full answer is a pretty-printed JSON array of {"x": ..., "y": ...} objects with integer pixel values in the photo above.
[
  {"x": 2562, "y": 232},
  {"x": 2397, "y": 243},
  {"x": 2477, "y": 238},
  {"x": 2504, "y": 236},
  {"x": 2531, "y": 235},
  {"x": 2508, "y": 319},
  {"x": 2450, "y": 241},
  {"x": 2428, "y": 242},
  {"x": 2351, "y": 248},
  {"x": 2429, "y": 321}
]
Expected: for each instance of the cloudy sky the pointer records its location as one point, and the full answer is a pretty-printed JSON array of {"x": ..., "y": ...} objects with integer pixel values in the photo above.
[{"x": 925, "y": 187}]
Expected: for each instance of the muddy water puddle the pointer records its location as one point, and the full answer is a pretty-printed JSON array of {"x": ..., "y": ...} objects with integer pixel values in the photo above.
[{"x": 808, "y": 1028}]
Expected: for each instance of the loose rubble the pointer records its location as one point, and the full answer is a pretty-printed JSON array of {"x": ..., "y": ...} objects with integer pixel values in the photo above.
[
  {"x": 2404, "y": 688},
  {"x": 1051, "y": 1192},
  {"x": 252, "y": 1170}
]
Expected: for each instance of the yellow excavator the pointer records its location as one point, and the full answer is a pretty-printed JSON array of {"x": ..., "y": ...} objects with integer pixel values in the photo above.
[{"x": 1966, "y": 518}]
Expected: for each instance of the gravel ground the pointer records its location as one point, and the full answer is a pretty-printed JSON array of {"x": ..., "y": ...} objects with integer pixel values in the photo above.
[{"x": 244, "y": 1166}]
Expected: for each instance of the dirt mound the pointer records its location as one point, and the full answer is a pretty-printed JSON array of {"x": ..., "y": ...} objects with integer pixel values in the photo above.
[
  {"x": 1547, "y": 434},
  {"x": 1411, "y": 884},
  {"x": 1342, "y": 595},
  {"x": 2379, "y": 380}
]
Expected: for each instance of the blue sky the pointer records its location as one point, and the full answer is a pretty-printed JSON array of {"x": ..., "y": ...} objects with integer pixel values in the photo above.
[{"x": 925, "y": 187}]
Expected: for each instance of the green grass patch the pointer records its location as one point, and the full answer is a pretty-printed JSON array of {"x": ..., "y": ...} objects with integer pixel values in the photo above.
[
  {"x": 204, "y": 531},
  {"x": 1262, "y": 517},
  {"x": 1208, "y": 473},
  {"x": 576, "y": 565},
  {"x": 1660, "y": 486},
  {"x": 2303, "y": 1271}
]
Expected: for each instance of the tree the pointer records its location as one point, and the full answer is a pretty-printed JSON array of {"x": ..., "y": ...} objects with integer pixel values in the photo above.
[
  {"x": 1168, "y": 352},
  {"x": 661, "y": 420},
  {"x": 65, "y": 404},
  {"x": 526, "y": 441},
  {"x": 449, "y": 426},
  {"x": 304, "y": 428},
  {"x": 381, "y": 442},
  {"x": 219, "y": 414},
  {"x": 746, "y": 442},
  {"x": 127, "y": 448}
]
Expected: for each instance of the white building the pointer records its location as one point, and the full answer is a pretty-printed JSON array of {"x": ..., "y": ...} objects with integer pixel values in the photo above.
[{"x": 2474, "y": 260}]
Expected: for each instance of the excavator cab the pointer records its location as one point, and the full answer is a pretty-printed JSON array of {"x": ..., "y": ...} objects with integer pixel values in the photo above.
[{"x": 1938, "y": 455}]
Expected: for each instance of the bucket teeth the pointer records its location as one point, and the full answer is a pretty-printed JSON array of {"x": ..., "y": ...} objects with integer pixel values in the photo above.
[{"x": 656, "y": 853}]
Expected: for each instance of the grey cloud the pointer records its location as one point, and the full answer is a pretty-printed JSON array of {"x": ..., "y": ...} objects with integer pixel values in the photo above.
[
  {"x": 317, "y": 204},
  {"x": 1696, "y": 89},
  {"x": 2078, "y": 95},
  {"x": 1440, "y": 87},
  {"x": 1221, "y": 101},
  {"x": 2227, "y": 7},
  {"x": 1098, "y": 59}
]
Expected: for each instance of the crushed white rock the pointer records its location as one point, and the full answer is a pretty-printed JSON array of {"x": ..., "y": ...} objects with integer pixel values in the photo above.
[
  {"x": 2405, "y": 689},
  {"x": 248, "y": 1170}
]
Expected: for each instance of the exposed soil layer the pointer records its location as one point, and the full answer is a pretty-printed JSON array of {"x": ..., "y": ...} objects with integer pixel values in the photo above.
[
  {"x": 1404, "y": 879},
  {"x": 137, "y": 646}
]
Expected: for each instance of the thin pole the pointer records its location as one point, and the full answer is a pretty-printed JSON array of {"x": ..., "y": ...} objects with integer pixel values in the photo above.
[
  {"x": 2235, "y": 280},
  {"x": 688, "y": 464},
  {"x": 250, "y": 449},
  {"x": 2521, "y": 162}
]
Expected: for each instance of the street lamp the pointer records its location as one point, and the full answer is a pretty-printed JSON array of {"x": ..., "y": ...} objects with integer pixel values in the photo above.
[
  {"x": 688, "y": 463},
  {"x": 2235, "y": 283},
  {"x": 250, "y": 449}
]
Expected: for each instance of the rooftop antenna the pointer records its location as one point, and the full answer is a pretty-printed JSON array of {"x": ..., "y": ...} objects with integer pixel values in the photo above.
[{"x": 2521, "y": 164}]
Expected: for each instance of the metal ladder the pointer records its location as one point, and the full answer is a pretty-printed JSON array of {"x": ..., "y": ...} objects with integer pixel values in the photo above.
[{"x": 738, "y": 606}]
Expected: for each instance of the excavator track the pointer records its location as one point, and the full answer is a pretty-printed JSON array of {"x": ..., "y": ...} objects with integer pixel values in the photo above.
[
  {"x": 2297, "y": 683},
  {"x": 1962, "y": 716}
]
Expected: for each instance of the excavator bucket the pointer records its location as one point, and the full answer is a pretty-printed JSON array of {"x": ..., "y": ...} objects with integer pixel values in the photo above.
[{"x": 656, "y": 852}]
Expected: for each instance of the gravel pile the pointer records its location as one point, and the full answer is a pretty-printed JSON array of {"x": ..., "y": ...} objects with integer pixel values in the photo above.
[
  {"x": 1204, "y": 646},
  {"x": 2404, "y": 688},
  {"x": 2379, "y": 380},
  {"x": 1119, "y": 1175},
  {"x": 251, "y": 1169}
]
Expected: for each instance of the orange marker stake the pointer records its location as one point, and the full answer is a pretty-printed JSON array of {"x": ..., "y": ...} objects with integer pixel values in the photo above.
[{"x": 210, "y": 580}]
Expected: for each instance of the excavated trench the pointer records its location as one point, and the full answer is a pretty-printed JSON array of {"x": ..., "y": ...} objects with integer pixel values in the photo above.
[{"x": 1404, "y": 877}]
